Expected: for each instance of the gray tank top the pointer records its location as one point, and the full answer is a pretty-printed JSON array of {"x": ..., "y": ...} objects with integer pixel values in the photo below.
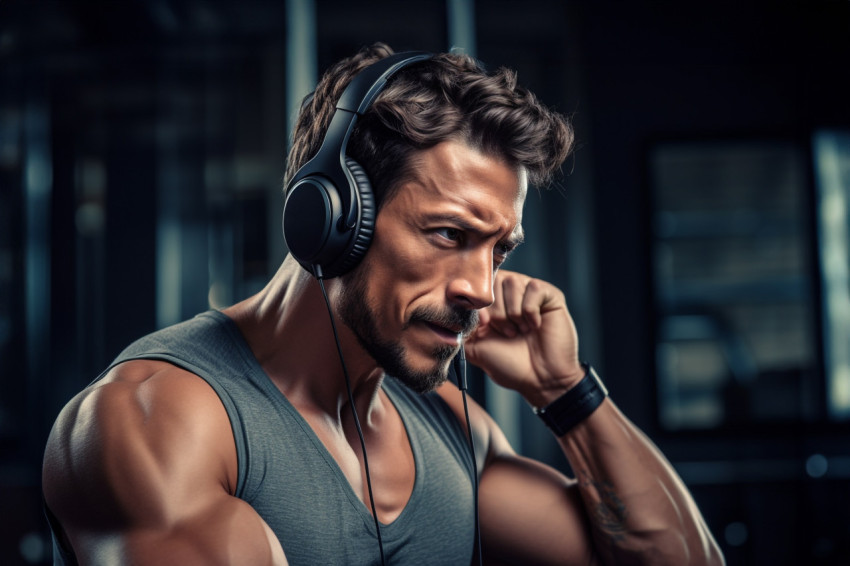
[{"x": 292, "y": 481}]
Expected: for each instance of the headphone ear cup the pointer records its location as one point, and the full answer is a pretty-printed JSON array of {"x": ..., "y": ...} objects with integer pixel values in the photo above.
[
  {"x": 366, "y": 225},
  {"x": 312, "y": 223}
]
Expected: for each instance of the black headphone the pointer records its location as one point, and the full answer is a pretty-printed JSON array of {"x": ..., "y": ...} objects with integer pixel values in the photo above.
[{"x": 329, "y": 211}]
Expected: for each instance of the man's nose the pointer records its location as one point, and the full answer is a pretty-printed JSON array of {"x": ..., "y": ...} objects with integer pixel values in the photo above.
[{"x": 471, "y": 280}]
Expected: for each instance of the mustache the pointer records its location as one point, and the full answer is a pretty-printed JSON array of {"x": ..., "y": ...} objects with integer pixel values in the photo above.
[{"x": 466, "y": 321}]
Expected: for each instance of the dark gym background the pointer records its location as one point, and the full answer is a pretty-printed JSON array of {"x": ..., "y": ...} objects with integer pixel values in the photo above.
[{"x": 700, "y": 230}]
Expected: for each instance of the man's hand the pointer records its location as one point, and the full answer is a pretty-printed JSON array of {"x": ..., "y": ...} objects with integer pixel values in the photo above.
[{"x": 527, "y": 341}]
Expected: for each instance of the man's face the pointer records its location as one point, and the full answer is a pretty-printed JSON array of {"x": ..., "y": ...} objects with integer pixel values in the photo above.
[{"x": 438, "y": 243}]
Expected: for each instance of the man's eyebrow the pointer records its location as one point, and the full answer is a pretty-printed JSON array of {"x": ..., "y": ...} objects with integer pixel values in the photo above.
[{"x": 514, "y": 239}]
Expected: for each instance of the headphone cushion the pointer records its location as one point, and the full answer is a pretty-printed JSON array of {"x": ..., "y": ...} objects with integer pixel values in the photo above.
[{"x": 366, "y": 229}]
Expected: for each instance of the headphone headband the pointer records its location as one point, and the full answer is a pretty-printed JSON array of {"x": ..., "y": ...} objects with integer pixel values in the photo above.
[{"x": 362, "y": 90}]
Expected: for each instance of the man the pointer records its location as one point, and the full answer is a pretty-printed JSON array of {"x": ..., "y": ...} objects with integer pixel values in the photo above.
[{"x": 241, "y": 437}]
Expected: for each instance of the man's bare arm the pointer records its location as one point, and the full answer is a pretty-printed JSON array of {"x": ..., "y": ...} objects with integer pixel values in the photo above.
[
  {"x": 530, "y": 513},
  {"x": 141, "y": 468},
  {"x": 626, "y": 498},
  {"x": 626, "y": 505}
]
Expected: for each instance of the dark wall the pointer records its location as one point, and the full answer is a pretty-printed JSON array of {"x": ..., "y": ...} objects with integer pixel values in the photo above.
[
  {"x": 661, "y": 72},
  {"x": 668, "y": 71}
]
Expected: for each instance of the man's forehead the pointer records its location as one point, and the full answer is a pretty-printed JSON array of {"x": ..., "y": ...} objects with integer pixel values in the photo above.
[
  {"x": 455, "y": 177},
  {"x": 477, "y": 206},
  {"x": 522, "y": 191}
]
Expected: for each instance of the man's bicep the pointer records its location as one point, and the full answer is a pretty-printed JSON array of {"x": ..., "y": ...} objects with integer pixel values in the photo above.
[
  {"x": 531, "y": 514},
  {"x": 227, "y": 532},
  {"x": 121, "y": 455},
  {"x": 139, "y": 469}
]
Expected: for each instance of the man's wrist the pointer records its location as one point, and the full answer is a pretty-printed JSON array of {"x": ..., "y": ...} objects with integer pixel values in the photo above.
[
  {"x": 555, "y": 386},
  {"x": 575, "y": 405}
]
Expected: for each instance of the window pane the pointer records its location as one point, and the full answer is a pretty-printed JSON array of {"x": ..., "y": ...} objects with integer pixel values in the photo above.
[
  {"x": 832, "y": 168},
  {"x": 735, "y": 318}
]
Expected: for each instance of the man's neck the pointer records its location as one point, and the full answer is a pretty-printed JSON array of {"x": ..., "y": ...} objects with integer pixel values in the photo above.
[{"x": 288, "y": 329}]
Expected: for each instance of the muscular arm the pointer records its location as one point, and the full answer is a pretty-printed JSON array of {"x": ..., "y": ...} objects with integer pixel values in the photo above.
[
  {"x": 140, "y": 468},
  {"x": 530, "y": 513},
  {"x": 626, "y": 504}
]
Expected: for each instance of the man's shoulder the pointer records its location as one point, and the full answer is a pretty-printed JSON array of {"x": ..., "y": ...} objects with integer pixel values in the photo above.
[
  {"x": 129, "y": 433},
  {"x": 140, "y": 394},
  {"x": 206, "y": 329},
  {"x": 145, "y": 454}
]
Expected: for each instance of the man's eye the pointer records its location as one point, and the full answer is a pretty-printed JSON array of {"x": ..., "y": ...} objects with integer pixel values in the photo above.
[
  {"x": 503, "y": 251},
  {"x": 452, "y": 234}
]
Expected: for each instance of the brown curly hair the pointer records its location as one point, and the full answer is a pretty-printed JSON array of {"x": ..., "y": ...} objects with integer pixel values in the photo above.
[{"x": 448, "y": 97}]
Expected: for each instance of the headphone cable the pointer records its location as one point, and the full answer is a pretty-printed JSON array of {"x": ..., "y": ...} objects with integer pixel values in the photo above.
[
  {"x": 462, "y": 382},
  {"x": 462, "y": 385},
  {"x": 317, "y": 270}
]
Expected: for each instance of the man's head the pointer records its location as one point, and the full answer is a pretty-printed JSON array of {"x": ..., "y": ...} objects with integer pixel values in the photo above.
[
  {"x": 449, "y": 149},
  {"x": 448, "y": 97}
]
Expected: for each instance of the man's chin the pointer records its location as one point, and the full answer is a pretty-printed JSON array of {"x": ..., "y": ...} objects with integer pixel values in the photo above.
[
  {"x": 423, "y": 380},
  {"x": 422, "y": 383}
]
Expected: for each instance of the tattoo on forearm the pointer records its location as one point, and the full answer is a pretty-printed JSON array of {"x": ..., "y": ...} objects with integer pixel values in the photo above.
[{"x": 610, "y": 513}]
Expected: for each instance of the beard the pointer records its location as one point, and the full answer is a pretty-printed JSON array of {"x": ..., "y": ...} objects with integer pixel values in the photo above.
[{"x": 356, "y": 312}]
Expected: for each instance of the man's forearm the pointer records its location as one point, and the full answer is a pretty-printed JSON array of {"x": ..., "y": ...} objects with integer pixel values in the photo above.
[{"x": 640, "y": 511}]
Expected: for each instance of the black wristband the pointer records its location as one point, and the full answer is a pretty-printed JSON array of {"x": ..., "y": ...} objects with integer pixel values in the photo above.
[{"x": 575, "y": 405}]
